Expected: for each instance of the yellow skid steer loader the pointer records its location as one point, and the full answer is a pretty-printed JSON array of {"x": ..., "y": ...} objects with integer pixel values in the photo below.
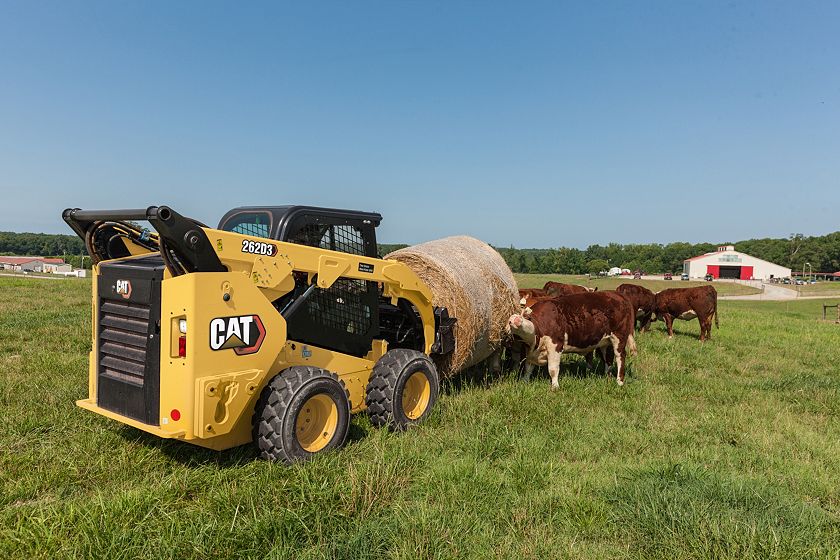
[{"x": 272, "y": 328}]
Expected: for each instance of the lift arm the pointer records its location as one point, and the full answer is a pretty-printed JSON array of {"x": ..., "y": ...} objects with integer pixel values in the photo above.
[{"x": 181, "y": 240}]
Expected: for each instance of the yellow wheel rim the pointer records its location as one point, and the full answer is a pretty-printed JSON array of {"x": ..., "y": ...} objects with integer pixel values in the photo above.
[
  {"x": 316, "y": 423},
  {"x": 416, "y": 395}
]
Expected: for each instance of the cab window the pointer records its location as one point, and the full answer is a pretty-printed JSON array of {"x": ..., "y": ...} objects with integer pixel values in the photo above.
[{"x": 257, "y": 224}]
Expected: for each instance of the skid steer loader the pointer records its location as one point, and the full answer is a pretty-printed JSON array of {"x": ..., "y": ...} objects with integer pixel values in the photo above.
[{"x": 272, "y": 328}]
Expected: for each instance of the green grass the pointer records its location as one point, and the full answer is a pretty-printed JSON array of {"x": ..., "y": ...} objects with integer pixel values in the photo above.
[
  {"x": 725, "y": 450},
  {"x": 818, "y": 289}
]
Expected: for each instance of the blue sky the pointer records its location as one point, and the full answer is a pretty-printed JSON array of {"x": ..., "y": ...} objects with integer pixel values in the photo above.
[{"x": 536, "y": 124}]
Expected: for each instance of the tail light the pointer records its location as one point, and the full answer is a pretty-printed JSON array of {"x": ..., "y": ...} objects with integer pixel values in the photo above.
[{"x": 182, "y": 346}]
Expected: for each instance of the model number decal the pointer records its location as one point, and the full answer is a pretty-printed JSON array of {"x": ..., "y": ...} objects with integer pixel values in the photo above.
[
  {"x": 365, "y": 267},
  {"x": 258, "y": 248}
]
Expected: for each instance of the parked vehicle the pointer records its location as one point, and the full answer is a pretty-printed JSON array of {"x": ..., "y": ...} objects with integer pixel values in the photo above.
[
  {"x": 637, "y": 276},
  {"x": 786, "y": 281},
  {"x": 684, "y": 276},
  {"x": 668, "y": 276},
  {"x": 709, "y": 278}
]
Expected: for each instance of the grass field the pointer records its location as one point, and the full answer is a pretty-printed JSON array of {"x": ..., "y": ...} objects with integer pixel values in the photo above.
[
  {"x": 539, "y": 280},
  {"x": 725, "y": 450},
  {"x": 818, "y": 289}
]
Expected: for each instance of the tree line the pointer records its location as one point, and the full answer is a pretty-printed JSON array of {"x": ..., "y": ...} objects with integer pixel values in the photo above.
[{"x": 822, "y": 252}]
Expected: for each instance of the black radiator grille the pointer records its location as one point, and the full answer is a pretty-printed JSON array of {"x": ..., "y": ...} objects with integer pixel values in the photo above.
[
  {"x": 128, "y": 337},
  {"x": 124, "y": 337}
]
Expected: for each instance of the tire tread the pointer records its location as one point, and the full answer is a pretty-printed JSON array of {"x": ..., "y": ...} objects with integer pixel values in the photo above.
[
  {"x": 381, "y": 389},
  {"x": 273, "y": 404}
]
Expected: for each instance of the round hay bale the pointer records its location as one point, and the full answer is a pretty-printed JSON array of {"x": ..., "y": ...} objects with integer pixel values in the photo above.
[{"x": 473, "y": 282}]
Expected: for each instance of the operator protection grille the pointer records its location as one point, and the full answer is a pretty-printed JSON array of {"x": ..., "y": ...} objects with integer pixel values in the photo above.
[
  {"x": 342, "y": 238},
  {"x": 343, "y": 306},
  {"x": 123, "y": 341}
]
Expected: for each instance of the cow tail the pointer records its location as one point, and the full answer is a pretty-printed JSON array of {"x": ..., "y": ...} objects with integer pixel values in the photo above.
[
  {"x": 716, "y": 316},
  {"x": 631, "y": 344}
]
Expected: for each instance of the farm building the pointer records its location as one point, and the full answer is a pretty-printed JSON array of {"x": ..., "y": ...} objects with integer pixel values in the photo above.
[
  {"x": 726, "y": 262},
  {"x": 34, "y": 264}
]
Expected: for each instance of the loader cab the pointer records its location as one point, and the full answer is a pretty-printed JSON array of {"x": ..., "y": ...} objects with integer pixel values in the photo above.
[
  {"x": 344, "y": 317},
  {"x": 346, "y": 231}
]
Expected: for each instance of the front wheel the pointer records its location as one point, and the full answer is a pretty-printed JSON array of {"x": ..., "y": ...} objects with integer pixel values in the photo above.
[
  {"x": 402, "y": 390},
  {"x": 302, "y": 411}
]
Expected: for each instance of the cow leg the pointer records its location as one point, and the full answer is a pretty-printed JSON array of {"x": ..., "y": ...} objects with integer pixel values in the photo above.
[
  {"x": 669, "y": 323},
  {"x": 646, "y": 320},
  {"x": 708, "y": 323},
  {"x": 619, "y": 347},
  {"x": 554, "y": 368},
  {"x": 496, "y": 362},
  {"x": 529, "y": 367},
  {"x": 517, "y": 358},
  {"x": 603, "y": 351},
  {"x": 590, "y": 364}
]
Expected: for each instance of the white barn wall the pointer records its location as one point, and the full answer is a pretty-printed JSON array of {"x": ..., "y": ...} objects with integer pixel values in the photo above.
[{"x": 728, "y": 256}]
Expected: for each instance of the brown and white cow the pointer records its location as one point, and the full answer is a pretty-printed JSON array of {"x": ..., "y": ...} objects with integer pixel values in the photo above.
[
  {"x": 579, "y": 323},
  {"x": 686, "y": 304},
  {"x": 558, "y": 289},
  {"x": 642, "y": 300}
]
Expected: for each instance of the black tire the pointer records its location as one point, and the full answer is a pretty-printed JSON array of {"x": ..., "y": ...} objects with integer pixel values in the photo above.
[
  {"x": 387, "y": 386},
  {"x": 282, "y": 401}
]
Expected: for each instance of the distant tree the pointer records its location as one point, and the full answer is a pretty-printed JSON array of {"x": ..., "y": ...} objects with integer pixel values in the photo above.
[
  {"x": 597, "y": 265},
  {"x": 385, "y": 248}
]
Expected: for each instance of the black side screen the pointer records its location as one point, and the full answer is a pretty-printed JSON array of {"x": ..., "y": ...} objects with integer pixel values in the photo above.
[
  {"x": 343, "y": 317},
  {"x": 128, "y": 338}
]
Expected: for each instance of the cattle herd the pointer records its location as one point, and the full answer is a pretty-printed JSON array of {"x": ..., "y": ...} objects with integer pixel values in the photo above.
[{"x": 567, "y": 318}]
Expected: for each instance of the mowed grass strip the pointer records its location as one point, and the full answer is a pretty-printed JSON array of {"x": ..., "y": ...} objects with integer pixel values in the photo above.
[
  {"x": 611, "y": 283},
  {"x": 725, "y": 450},
  {"x": 819, "y": 289}
]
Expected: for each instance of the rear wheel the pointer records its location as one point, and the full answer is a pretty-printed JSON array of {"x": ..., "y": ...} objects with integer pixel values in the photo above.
[
  {"x": 402, "y": 390},
  {"x": 302, "y": 411}
]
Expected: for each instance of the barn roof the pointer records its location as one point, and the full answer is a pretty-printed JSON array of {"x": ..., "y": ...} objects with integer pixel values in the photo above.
[
  {"x": 700, "y": 256},
  {"x": 24, "y": 260},
  {"x": 17, "y": 260}
]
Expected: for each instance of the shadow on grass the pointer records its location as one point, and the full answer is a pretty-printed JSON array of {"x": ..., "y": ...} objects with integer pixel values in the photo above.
[
  {"x": 188, "y": 454},
  {"x": 191, "y": 455},
  {"x": 483, "y": 377},
  {"x": 662, "y": 332}
]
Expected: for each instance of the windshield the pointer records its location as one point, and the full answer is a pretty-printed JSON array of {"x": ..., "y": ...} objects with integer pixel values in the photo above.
[{"x": 249, "y": 223}]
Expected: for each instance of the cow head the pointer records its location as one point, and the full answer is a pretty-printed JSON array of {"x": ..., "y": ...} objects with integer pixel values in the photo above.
[{"x": 521, "y": 328}]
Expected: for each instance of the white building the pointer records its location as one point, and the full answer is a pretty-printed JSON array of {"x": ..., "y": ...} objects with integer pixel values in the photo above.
[
  {"x": 56, "y": 267},
  {"x": 34, "y": 264},
  {"x": 726, "y": 262}
]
